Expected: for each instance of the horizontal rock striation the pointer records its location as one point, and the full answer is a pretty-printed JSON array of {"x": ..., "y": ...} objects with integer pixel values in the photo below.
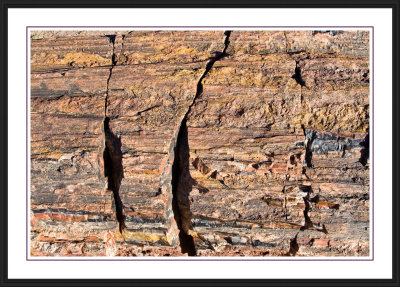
[{"x": 200, "y": 143}]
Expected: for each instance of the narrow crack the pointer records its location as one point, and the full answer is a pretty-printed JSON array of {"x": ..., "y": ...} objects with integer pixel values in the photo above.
[
  {"x": 286, "y": 42},
  {"x": 308, "y": 224},
  {"x": 112, "y": 153},
  {"x": 113, "y": 169},
  {"x": 210, "y": 64},
  {"x": 307, "y": 220},
  {"x": 111, "y": 38},
  {"x": 310, "y": 136},
  {"x": 178, "y": 161},
  {"x": 285, "y": 209},
  {"x": 122, "y": 53},
  {"x": 364, "y": 151},
  {"x": 301, "y": 95},
  {"x": 147, "y": 109}
]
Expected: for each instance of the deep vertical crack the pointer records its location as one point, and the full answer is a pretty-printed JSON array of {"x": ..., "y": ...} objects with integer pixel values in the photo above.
[
  {"x": 181, "y": 188},
  {"x": 178, "y": 161},
  {"x": 112, "y": 154},
  {"x": 113, "y": 169}
]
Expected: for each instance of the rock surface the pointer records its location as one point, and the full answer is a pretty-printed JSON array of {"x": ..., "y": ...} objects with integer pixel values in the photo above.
[{"x": 200, "y": 143}]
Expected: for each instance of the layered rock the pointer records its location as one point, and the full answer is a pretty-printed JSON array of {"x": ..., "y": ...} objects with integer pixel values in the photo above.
[{"x": 207, "y": 143}]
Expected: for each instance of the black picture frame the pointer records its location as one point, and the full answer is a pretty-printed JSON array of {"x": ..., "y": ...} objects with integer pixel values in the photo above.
[{"x": 299, "y": 4}]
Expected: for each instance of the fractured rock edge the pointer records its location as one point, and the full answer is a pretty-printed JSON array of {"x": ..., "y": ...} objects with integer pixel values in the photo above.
[
  {"x": 110, "y": 151},
  {"x": 176, "y": 169}
]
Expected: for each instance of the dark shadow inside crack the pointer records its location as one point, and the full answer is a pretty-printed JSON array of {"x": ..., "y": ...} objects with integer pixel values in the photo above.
[
  {"x": 113, "y": 169},
  {"x": 365, "y": 150},
  {"x": 293, "y": 246},
  {"x": 182, "y": 183},
  {"x": 297, "y": 75}
]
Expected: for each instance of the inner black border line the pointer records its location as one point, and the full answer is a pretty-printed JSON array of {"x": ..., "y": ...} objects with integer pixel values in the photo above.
[{"x": 371, "y": 212}]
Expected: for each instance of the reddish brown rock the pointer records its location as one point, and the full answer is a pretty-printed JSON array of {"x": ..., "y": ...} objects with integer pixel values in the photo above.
[{"x": 177, "y": 143}]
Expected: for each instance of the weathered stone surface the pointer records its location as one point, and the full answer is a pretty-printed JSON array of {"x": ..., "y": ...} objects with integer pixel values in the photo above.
[{"x": 177, "y": 143}]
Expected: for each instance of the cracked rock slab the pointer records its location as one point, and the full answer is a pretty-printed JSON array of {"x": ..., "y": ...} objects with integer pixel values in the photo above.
[{"x": 248, "y": 143}]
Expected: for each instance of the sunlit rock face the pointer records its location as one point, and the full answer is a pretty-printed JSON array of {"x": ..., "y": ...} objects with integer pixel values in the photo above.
[{"x": 200, "y": 143}]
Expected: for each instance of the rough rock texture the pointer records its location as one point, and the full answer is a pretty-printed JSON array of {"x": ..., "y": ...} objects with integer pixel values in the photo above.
[{"x": 200, "y": 143}]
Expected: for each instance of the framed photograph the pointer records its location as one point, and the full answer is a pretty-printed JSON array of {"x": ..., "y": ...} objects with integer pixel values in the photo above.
[{"x": 240, "y": 144}]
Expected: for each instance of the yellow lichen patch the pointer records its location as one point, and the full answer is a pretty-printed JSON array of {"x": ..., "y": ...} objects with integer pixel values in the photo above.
[
  {"x": 349, "y": 118},
  {"x": 132, "y": 90},
  {"x": 86, "y": 59},
  {"x": 139, "y": 236},
  {"x": 45, "y": 152},
  {"x": 193, "y": 233},
  {"x": 199, "y": 177},
  {"x": 140, "y": 58},
  {"x": 166, "y": 54},
  {"x": 184, "y": 50},
  {"x": 203, "y": 185},
  {"x": 50, "y": 155},
  {"x": 37, "y": 36},
  {"x": 171, "y": 234},
  {"x": 246, "y": 77},
  {"x": 74, "y": 59},
  {"x": 183, "y": 76}
]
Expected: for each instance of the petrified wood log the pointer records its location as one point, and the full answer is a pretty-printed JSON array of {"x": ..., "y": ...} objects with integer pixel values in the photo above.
[{"x": 200, "y": 143}]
